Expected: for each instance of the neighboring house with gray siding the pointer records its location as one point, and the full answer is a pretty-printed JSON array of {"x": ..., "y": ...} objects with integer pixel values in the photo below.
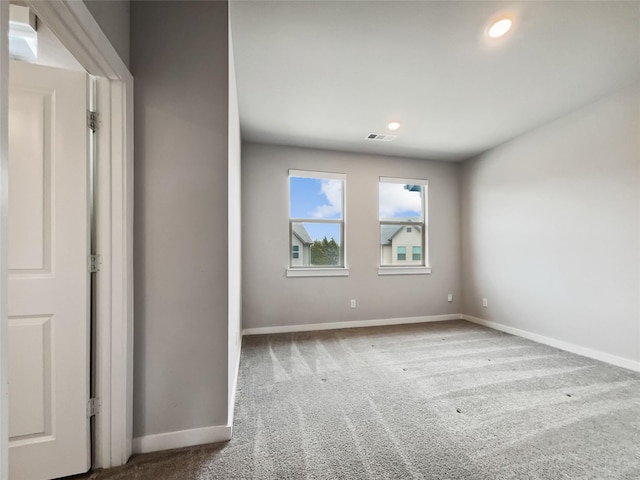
[{"x": 300, "y": 246}]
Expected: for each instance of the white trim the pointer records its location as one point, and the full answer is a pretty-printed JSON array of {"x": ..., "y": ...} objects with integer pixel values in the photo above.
[
  {"x": 21, "y": 18},
  {"x": 79, "y": 32},
  {"x": 4, "y": 189},
  {"x": 408, "y": 181},
  {"x": 316, "y": 174},
  {"x": 76, "y": 28},
  {"x": 342, "y": 221},
  {"x": 311, "y": 327},
  {"x": 317, "y": 272},
  {"x": 404, "y": 270},
  {"x": 562, "y": 345},
  {"x": 182, "y": 438},
  {"x": 422, "y": 225}
]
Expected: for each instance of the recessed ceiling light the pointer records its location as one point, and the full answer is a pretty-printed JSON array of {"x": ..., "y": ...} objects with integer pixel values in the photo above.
[
  {"x": 500, "y": 28},
  {"x": 393, "y": 125}
]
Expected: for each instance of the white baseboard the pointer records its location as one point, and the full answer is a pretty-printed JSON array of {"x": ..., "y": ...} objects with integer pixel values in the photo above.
[
  {"x": 182, "y": 438},
  {"x": 309, "y": 327},
  {"x": 562, "y": 345}
]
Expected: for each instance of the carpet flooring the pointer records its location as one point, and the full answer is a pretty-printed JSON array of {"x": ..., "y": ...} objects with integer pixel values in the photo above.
[{"x": 448, "y": 400}]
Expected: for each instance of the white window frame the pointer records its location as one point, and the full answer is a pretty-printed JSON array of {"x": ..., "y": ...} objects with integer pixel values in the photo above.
[
  {"x": 340, "y": 270},
  {"x": 425, "y": 268}
]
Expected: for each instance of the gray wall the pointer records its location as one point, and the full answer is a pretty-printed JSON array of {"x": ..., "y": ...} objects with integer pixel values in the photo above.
[
  {"x": 551, "y": 229},
  {"x": 271, "y": 299},
  {"x": 113, "y": 18},
  {"x": 181, "y": 199}
]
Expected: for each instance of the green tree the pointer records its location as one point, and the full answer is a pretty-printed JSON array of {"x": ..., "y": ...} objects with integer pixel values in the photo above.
[
  {"x": 325, "y": 252},
  {"x": 332, "y": 251}
]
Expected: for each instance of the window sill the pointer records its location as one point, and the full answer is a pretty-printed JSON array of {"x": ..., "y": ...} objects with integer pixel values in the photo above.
[
  {"x": 317, "y": 272},
  {"x": 404, "y": 270}
]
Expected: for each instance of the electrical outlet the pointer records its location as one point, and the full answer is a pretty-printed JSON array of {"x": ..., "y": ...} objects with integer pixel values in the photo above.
[
  {"x": 353, "y": 303},
  {"x": 450, "y": 297},
  {"x": 485, "y": 302}
]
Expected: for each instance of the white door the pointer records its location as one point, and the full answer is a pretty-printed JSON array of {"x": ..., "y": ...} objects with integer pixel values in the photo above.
[{"x": 48, "y": 275}]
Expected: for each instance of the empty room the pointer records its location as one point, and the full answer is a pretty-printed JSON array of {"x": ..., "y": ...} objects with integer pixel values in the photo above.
[{"x": 325, "y": 240}]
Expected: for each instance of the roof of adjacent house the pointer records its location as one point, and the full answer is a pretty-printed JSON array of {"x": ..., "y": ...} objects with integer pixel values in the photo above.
[
  {"x": 387, "y": 232},
  {"x": 301, "y": 232}
]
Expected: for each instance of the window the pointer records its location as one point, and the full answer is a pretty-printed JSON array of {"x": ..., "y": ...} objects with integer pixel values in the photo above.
[
  {"x": 316, "y": 220},
  {"x": 403, "y": 228}
]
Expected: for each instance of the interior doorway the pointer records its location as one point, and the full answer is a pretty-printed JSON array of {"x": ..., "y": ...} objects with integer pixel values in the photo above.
[{"x": 72, "y": 23}]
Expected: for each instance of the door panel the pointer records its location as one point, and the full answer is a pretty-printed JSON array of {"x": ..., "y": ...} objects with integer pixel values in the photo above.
[
  {"x": 30, "y": 394},
  {"x": 29, "y": 164},
  {"x": 48, "y": 275}
]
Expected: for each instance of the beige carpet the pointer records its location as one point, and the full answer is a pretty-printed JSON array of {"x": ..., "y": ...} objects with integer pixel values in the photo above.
[{"x": 448, "y": 400}]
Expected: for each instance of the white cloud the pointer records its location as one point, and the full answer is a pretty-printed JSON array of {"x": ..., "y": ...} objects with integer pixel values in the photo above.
[
  {"x": 332, "y": 190},
  {"x": 394, "y": 199}
]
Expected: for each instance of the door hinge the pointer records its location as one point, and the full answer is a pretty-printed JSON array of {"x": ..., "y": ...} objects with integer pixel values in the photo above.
[
  {"x": 94, "y": 263},
  {"x": 92, "y": 120},
  {"x": 93, "y": 407}
]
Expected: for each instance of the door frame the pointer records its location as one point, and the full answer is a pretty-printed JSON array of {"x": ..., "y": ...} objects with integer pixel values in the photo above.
[{"x": 76, "y": 28}]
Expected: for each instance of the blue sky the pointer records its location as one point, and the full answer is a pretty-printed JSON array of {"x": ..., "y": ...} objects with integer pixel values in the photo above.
[
  {"x": 317, "y": 198},
  {"x": 322, "y": 198},
  {"x": 395, "y": 201}
]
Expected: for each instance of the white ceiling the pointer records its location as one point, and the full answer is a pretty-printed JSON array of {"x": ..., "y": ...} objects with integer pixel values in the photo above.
[{"x": 326, "y": 73}]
